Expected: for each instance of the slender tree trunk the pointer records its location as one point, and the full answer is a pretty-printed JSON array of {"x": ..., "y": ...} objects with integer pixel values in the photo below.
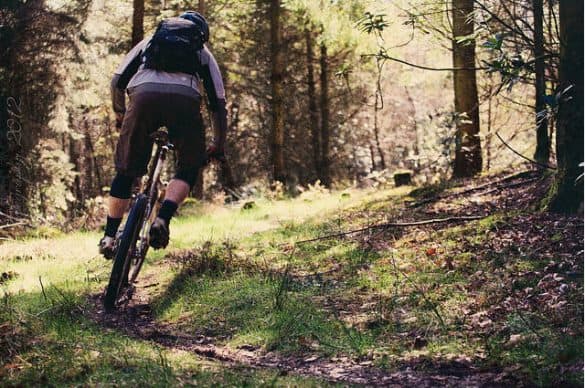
[
  {"x": 488, "y": 138},
  {"x": 468, "y": 158},
  {"x": 137, "y": 22},
  {"x": 277, "y": 101},
  {"x": 542, "y": 153},
  {"x": 312, "y": 96},
  {"x": 198, "y": 188},
  {"x": 415, "y": 145},
  {"x": 93, "y": 173},
  {"x": 372, "y": 158},
  {"x": 378, "y": 106},
  {"x": 325, "y": 161},
  {"x": 76, "y": 158},
  {"x": 568, "y": 194}
]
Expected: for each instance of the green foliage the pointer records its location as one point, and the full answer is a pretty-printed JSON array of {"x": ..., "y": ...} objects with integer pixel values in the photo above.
[
  {"x": 56, "y": 175},
  {"x": 373, "y": 23}
]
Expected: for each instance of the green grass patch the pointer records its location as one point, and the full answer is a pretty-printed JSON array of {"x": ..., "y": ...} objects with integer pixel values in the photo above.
[
  {"x": 257, "y": 310},
  {"x": 52, "y": 344}
]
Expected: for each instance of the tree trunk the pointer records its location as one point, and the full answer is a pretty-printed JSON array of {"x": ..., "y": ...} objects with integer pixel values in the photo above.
[
  {"x": 488, "y": 138},
  {"x": 372, "y": 158},
  {"x": 92, "y": 172},
  {"x": 325, "y": 162},
  {"x": 468, "y": 157},
  {"x": 415, "y": 145},
  {"x": 197, "y": 189},
  {"x": 542, "y": 153},
  {"x": 312, "y": 96},
  {"x": 568, "y": 194},
  {"x": 378, "y": 106},
  {"x": 137, "y": 22},
  {"x": 276, "y": 78}
]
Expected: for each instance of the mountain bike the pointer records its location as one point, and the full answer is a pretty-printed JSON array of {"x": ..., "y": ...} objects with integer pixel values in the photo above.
[{"x": 133, "y": 237}]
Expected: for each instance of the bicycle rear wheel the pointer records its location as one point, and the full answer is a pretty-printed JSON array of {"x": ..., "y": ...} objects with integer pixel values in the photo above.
[{"x": 125, "y": 253}]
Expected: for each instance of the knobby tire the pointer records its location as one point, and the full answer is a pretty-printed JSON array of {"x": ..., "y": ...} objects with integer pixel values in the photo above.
[{"x": 124, "y": 253}]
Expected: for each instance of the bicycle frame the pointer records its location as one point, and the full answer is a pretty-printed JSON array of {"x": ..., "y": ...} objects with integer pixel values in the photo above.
[
  {"x": 133, "y": 241},
  {"x": 153, "y": 192}
]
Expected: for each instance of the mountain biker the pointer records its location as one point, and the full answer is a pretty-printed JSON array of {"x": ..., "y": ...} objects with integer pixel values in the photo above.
[{"x": 163, "y": 98}]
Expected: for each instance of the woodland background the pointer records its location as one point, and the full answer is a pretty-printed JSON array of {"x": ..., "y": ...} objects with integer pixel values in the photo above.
[
  {"x": 326, "y": 273},
  {"x": 340, "y": 92}
]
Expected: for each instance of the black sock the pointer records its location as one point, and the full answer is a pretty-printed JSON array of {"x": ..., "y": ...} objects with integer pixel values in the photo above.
[
  {"x": 167, "y": 210},
  {"x": 112, "y": 225}
]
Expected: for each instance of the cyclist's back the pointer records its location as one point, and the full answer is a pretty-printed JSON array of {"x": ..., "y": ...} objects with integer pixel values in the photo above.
[{"x": 159, "y": 97}]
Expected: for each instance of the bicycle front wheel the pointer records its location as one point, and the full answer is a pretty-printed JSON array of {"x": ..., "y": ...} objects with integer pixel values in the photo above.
[{"x": 124, "y": 254}]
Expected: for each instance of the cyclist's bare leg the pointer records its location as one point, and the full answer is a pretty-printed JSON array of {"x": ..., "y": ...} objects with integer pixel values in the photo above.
[
  {"x": 117, "y": 207},
  {"x": 177, "y": 191}
]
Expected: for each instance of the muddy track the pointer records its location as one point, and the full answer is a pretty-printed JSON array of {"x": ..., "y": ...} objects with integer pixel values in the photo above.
[{"x": 135, "y": 319}]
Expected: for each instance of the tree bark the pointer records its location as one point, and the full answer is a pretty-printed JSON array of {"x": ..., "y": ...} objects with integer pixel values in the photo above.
[
  {"x": 137, "y": 22},
  {"x": 197, "y": 189},
  {"x": 468, "y": 158},
  {"x": 568, "y": 193},
  {"x": 277, "y": 101},
  {"x": 378, "y": 106},
  {"x": 325, "y": 161},
  {"x": 542, "y": 153},
  {"x": 312, "y": 97}
]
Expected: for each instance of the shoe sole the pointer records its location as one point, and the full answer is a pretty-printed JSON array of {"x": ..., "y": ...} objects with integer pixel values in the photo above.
[
  {"x": 108, "y": 255},
  {"x": 158, "y": 239}
]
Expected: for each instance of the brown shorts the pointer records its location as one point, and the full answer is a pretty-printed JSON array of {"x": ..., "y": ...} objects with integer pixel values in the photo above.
[{"x": 153, "y": 106}]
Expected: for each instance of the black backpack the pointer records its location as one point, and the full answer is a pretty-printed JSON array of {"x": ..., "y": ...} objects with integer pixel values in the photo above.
[{"x": 174, "y": 47}]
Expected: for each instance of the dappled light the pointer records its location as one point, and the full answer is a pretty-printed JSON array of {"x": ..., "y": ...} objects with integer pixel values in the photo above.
[{"x": 291, "y": 193}]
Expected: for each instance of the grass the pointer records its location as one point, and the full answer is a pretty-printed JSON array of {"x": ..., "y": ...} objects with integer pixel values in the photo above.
[
  {"x": 56, "y": 346},
  {"x": 345, "y": 297},
  {"x": 397, "y": 298},
  {"x": 48, "y": 341},
  {"x": 244, "y": 309}
]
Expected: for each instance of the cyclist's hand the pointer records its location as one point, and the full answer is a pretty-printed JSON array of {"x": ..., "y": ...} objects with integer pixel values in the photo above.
[
  {"x": 215, "y": 153},
  {"x": 119, "y": 120}
]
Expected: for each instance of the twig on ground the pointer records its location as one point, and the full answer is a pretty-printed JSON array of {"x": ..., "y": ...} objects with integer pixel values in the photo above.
[
  {"x": 510, "y": 185},
  {"x": 13, "y": 225},
  {"x": 42, "y": 288},
  {"x": 12, "y": 217},
  {"x": 234, "y": 193},
  {"x": 505, "y": 179},
  {"x": 393, "y": 225}
]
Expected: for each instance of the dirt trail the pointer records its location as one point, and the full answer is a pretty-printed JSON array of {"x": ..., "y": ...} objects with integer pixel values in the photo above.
[{"x": 136, "y": 320}]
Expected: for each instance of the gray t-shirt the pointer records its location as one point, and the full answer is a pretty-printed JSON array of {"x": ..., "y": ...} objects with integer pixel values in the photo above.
[{"x": 143, "y": 76}]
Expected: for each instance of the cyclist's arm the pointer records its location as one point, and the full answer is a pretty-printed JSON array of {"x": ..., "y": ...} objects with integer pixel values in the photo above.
[
  {"x": 213, "y": 83},
  {"x": 123, "y": 74}
]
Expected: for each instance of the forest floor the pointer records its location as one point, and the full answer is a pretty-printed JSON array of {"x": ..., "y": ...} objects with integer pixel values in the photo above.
[{"x": 464, "y": 284}]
